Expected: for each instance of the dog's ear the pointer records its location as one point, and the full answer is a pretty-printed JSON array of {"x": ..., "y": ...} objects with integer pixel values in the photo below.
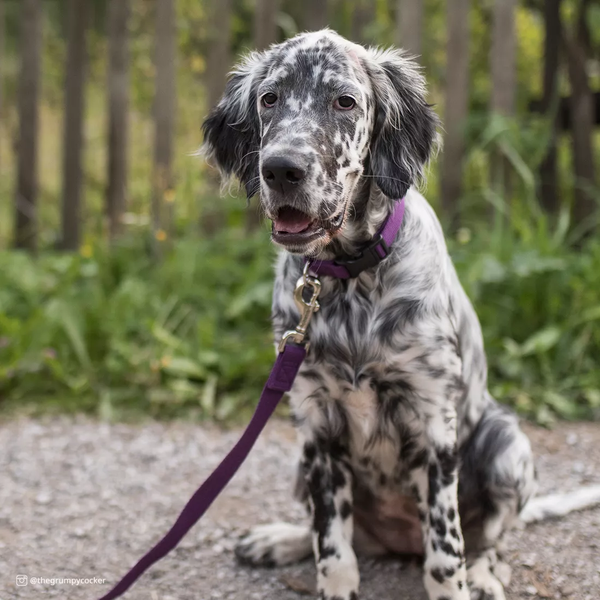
[
  {"x": 232, "y": 128},
  {"x": 405, "y": 130}
]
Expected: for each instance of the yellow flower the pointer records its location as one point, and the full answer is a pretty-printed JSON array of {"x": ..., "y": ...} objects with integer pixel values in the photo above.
[
  {"x": 169, "y": 196},
  {"x": 161, "y": 235},
  {"x": 463, "y": 235},
  {"x": 198, "y": 64},
  {"x": 165, "y": 361},
  {"x": 86, "y": 251}
]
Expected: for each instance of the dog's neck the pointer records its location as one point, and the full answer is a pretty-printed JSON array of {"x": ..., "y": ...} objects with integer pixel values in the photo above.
[{"x": 366, "y": 212}]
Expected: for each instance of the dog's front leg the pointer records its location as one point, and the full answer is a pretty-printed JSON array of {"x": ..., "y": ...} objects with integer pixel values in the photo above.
[
  {"x": 435, "y": 484},
  {"x": 329, "y": 480}
]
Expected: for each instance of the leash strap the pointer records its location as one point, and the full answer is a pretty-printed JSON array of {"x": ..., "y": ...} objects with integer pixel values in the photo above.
[
  {"x": 371, "y": 255},
  {"x": 280, "y": 381},
  {"x": 292, "y": 351}
]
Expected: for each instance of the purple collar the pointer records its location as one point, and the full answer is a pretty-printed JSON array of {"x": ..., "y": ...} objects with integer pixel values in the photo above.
[{"x": 376, "y": 250}]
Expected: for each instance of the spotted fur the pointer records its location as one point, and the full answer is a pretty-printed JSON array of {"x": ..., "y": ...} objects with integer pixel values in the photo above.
[{"x": 404, "y": 449}]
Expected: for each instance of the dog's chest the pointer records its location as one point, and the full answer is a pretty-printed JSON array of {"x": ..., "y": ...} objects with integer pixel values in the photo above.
[
  {"x": 328, "y": 407},
  {"x": 356, "y": 385},
  {"x": 351, "y": 384},
  {"x": 374, "y": 443},
  {"x": 348, "y": 333}
]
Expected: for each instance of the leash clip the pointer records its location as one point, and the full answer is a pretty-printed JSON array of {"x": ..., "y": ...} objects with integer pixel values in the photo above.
[{"x": 306, "y": 307}]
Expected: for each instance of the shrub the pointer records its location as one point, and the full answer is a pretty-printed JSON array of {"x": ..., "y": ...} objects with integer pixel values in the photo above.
[{"x": 115, "y": 333}]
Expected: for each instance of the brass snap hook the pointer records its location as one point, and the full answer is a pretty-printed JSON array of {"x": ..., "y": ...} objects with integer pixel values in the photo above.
[{"x": 306, "y": 307}]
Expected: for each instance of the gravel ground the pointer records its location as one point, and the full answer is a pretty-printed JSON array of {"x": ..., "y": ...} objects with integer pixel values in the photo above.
[{"x": 82, "y": 499}]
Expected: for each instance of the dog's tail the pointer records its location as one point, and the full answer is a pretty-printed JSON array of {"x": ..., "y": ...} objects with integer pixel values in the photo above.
[{"x": 558, "y": 505}]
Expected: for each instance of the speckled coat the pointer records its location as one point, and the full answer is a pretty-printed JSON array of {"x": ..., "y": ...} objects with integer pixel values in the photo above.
[{"x": 403, "y": 448}]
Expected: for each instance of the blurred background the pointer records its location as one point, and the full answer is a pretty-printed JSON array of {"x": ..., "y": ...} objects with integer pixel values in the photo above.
[{"x": 131, "y": 286}]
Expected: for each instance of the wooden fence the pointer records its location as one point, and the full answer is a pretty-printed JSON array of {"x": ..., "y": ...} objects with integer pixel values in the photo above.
[{"x": 561, "y": 39}]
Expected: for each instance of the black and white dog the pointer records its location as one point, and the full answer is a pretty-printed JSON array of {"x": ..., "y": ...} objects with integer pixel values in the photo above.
[{"x": 404, "y": 449}]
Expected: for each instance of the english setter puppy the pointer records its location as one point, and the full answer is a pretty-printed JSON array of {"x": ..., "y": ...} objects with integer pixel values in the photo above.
[{"x": 403, "y": 447}]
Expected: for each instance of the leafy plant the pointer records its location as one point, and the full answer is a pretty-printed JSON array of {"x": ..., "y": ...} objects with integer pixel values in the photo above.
[{"x": 116, "y": 334}]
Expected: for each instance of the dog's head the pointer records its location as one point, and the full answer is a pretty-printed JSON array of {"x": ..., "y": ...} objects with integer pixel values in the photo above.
[{"x": 303, "y": 121}]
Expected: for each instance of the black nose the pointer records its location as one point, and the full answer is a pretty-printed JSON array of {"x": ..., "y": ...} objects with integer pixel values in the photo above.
[{"x": 282, "y": 174}]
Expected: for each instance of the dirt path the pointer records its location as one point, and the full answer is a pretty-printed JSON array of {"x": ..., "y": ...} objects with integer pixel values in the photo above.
[{"x": 80, "y": 499}]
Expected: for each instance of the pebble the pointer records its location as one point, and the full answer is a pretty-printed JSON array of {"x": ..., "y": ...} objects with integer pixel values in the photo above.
[
  {"x": 43, "y": 498},
  {"x": 529, "y": 560}
]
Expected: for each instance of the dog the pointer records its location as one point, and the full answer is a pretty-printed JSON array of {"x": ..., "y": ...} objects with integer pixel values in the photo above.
[{"x": 403, "y": 447}]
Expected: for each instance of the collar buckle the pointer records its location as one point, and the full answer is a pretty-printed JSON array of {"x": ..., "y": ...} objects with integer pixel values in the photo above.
[{"x": 371, "y": 256}]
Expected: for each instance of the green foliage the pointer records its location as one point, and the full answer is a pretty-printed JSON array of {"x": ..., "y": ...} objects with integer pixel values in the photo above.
[
  {"x": 537, "y": 300},
  {"x": 534, "y": 280},
  {"x": 115, "y": 333}
]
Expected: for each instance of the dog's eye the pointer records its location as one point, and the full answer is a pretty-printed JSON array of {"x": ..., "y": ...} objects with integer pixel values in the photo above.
[
  {"x": 268, "y": 100},
  {"x": 345, "y": 103}
]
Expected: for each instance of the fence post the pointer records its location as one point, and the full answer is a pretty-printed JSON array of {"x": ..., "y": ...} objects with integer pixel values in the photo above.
[
  {"x": 73, "y": 125},
  {"x": 456, "y": 105},
  {"x": 29, "y": 84},
  {"x": 118, "y": 109},
  {"x": 164, "y": 119},
  {"x": 409, "y": 25}
]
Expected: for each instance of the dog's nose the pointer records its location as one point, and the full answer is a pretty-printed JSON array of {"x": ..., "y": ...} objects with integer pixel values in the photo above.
[{"x": 282, "y": 174}]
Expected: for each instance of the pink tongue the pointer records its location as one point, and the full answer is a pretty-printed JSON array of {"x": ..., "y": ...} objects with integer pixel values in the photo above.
[{"x": 291, "y": 220}]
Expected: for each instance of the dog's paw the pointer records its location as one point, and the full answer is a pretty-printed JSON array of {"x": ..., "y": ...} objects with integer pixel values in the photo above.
[
  {"x": 483, "y": 584},
  {"x": 274, "y": 545},
  {"x": 503, "y": 573},
  {"x": 339, "y": 579},
  {"x": 486, "y": 594}
]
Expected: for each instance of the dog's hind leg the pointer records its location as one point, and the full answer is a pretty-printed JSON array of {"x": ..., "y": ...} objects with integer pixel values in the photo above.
[
  {"x": 275, "y": 545},
  {"x": 496, "y": 480},
  {"x": 279, "y": 544}
]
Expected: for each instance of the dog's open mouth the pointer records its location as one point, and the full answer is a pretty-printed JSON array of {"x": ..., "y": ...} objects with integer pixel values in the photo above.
[{"x": 292, "y": 227}]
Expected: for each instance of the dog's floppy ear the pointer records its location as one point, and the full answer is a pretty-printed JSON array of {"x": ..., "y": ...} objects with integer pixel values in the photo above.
[
  {"x": 232, "y": 128},
  {"x": 404, "y": 133}
]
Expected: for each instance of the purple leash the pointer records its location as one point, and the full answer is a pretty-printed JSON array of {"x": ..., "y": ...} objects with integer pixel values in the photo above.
[
  {"x": 292, "y": 351},
  {"x": 280, "y": 381}
]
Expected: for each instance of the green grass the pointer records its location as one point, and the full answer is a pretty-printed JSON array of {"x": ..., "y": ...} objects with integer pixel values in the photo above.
[
  {"x": 115, "y": 334},
  {"x": 540, "y": 314}
]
